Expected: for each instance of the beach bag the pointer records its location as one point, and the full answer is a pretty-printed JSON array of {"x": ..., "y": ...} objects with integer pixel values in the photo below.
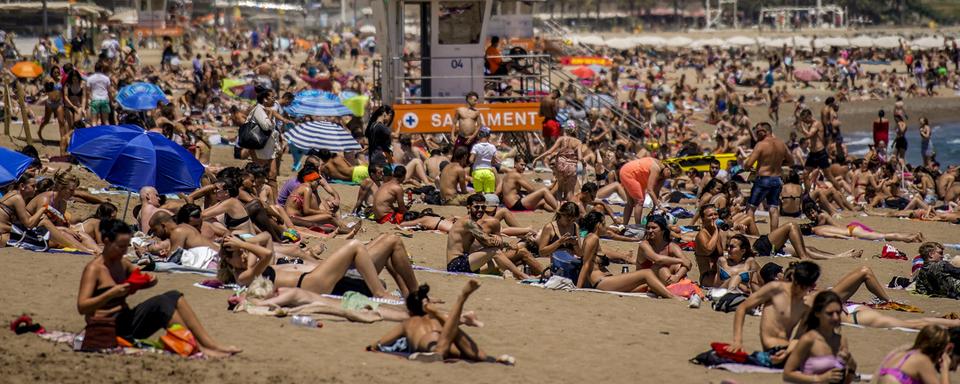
[
  {"x": 565, "y": 264},
  {"x": 729, "y": 302},
  {"x": 100, "y": 333},
  {"x": 250, "y": 136},
  {"x": 30, "y": 239},
  {"x": 179, "y": 340}
]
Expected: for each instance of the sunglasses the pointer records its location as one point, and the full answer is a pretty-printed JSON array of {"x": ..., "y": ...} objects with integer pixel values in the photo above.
[{"x": 478, "y": 206}]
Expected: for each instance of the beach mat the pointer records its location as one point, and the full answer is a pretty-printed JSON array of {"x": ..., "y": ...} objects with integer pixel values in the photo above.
[{"x": 467, "y": 274}]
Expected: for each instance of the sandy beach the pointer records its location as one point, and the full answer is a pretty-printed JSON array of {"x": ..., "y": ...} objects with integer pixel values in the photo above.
[{"x": 556, "y": 336}]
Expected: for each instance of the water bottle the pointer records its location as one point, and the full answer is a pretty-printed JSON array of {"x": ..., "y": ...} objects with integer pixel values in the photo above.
[
  {"x": 625, "y": 269},
  {"x": 695, "y": 301},
  {"x": 305, "y": 321}
]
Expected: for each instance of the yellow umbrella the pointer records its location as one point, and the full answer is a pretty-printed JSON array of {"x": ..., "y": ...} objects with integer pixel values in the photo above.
[{"x": 27, "y": 69}]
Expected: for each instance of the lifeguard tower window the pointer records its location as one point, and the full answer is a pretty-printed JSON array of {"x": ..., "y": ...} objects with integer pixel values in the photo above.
[{"x": 460, "y": 23}]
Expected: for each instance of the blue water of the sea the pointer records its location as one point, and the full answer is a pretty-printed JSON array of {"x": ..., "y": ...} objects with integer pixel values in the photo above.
[{"x": 945, "y": 141}]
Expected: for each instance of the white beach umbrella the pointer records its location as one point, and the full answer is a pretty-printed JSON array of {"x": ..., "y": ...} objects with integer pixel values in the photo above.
[
  {"x": 650, "y": 41},
  {"x": 831, "y": 41},
  {"x": 927, "y": 42},
  {"x": 738, "y": 41},
  {"x": 589, "y": 40},
  {"x": 711, "y": 42},
  {"x": 862, "y": 42},
  {"x": 892, "y": 41},
  {"x": 621, "y": 43},
  {"x": 679, "y": 42},
  {"x": 368, "y": 29},
  {"x": 776, "y": 43},
  {"x": 801, "y": 42}
]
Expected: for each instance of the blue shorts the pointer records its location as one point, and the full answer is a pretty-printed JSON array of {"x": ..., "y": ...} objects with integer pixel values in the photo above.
[{"x": 766, "y": 189}]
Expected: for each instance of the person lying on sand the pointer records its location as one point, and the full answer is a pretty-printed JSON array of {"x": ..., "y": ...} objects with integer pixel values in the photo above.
[
  {"x": 103, "y": 291},
  {"x": 429, "y": 331},
  {"x": 336, "y": 167},
  {"x": 825, "y": 225},
  {"x": 241, "y": 262},
  {"x": 262, "y": 292}
]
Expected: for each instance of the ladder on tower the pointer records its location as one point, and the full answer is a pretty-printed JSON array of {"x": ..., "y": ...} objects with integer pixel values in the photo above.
[{"x": 714, "y": 14}]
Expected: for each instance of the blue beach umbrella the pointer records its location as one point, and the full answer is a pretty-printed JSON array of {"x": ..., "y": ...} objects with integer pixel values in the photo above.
[
  {"x": 12, "y": 165},
  {"x": 141, "y": 96},
  {"x": 318, "y": 103},
  {"x": 129, "y": 157}
]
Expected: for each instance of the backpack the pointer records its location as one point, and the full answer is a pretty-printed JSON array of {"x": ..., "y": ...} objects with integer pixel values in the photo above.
[
  {"x": 729, "y": 302},
  {"x": 565, "y": 264},
  {"x": 36, "y": 239}
]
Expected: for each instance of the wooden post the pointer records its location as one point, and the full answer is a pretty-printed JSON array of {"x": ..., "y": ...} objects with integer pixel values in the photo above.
[
  {"x": 8, "y": 108},
  {"x": 24, "y": 113}
]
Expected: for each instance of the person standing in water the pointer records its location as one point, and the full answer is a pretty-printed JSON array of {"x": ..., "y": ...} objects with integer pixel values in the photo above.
[{"x": 926, "y": 146}]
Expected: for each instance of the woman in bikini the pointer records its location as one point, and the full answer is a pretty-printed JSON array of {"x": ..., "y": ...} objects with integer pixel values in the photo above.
[
  {"x": 709, "y": 246},
  {"x": 821, "y": 354},
  {"x": 76, "y": 99},
  {"x": 13, "y": 209},
  {"x": 89, "y": 229},
  {"x": 928, "y": 361},
  {"x": 824, "y": 225},
  {"x": 305, "y": 207},
  {"x": 53, "y": 205},
  {"x": 565, "y": 154},
  {"x": 594, "y": 273},
  {"x": 104, "y": 289},
  {"x": 426, "y": 220},
  {"x": 658, "y": 253},
  {"x": 562, "y": 234},
  {"x": 863, "y": 178},
  {"x": 235, "y": 217},
  {"x": 791, "y": 196},
  {"x": 242, "y": 261},
  {"x": 737, "y": 266},
  {"x": 429, "y": 331},
  {"x": 53, "y": 106}
]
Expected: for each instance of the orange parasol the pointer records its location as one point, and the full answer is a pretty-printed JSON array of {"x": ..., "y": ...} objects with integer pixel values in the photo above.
[{"x": 27, "y": 69}]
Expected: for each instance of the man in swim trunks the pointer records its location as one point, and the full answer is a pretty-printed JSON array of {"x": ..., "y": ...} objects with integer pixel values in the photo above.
[
  {"x": 466, "y": 123},
  {"x": 519, "y": 194},
  {"x": 388, "y": 204},
  {"x": 771, "y": 155},
  {"x": 783, "y": 307},
  {"x": 549, "y": 109},
  {"x": 453, "y": 178},
  {"x": 814, "y": 132},
  {"x": 336, "y": 167},
  {"x": 461, "y": 256}
]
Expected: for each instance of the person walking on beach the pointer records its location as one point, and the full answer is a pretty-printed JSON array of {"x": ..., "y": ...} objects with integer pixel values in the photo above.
[
  {"x": 881, "y": 130},
  {"x": 771, "y": 155},
  {"x": 926, "y": 147}
]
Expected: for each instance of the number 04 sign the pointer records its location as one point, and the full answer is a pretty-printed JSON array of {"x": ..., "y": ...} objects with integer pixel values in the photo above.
[{"x": 439, "y": 118}]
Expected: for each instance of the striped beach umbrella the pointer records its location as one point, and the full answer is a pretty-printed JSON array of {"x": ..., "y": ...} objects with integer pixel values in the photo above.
[
  {"x": 322, "y": 135},
  {"x": 318, "y": 103}
]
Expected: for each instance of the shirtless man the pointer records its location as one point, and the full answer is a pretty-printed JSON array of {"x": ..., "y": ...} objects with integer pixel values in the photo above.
[
  {"x": 461, "y": 255},
  {"x": 827, "y": 115},
  {"x": 519, "y": 194},
  {"x": 948, "y": 184},
  {"x": 336, "y": 167},
  {"x": 814, "y": 132},
  {"x": 466, "y": 123},
  {"x": 453, "y": 178},
  {"x": 517, "y": 254},
  {"x": 149, "y": 205},
  {"x": 388, "y": 205},
  {"x": 437, "y": 157},
  {"x": 368, "y": 188},
  {"x": 179, "y": 235},
  {"x": 771, "y": 155}
]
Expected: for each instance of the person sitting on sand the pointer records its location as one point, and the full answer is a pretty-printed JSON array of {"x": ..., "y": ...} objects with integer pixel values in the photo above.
[
  {"x": 242, "y": 261},
  {"x": 368, "y": 188},
  {"x": 53, "y": 204},
  {"x": 388, "y": 202},
  {"x": 336, "y": 167},
  {"x": 429, "y": 331},
  {"x": 305, "y": 207},
  {"x": 190, "y": 214},
  {"x": 588, "y": 202},
  {"x": 519, "y": 194},
  {"x": 736, "y": 270},
  {"x": 14, "y": 214},
  {"x": 594, "y": 273},
  {"x": 89, "y": 228},
  {"x": 562, "y": 233},
  {"x": 453, "y": 178},
  {"x": 228, "y": 205},
  {"x": 934, "y": 353},
  {"x": 518, "y": 254},
  {"x": 103, "y": 291},
  {"x": 149, "y": 203},
  {"x": 825, "y": 225},
  {"x": 658, "y": 253},
  {"x": 462, "y": 257},
  {"x": 821, "y": 354}
]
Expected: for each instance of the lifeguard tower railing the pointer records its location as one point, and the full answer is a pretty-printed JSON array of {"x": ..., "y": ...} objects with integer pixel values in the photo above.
[{"x": 536, "y": 74}]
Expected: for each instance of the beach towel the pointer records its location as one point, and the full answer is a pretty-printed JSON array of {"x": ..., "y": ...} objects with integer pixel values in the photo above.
[
  {"x": 564, "y": 284},
  {"x": 901, "y": 329},
  {"x": 467, "y": 274},
  {"x": 342, "y": 182},
  {"x": 686, "y": 289},
  {"x": 746, "y": 368},
  {"x": 177, "y": 268}
]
